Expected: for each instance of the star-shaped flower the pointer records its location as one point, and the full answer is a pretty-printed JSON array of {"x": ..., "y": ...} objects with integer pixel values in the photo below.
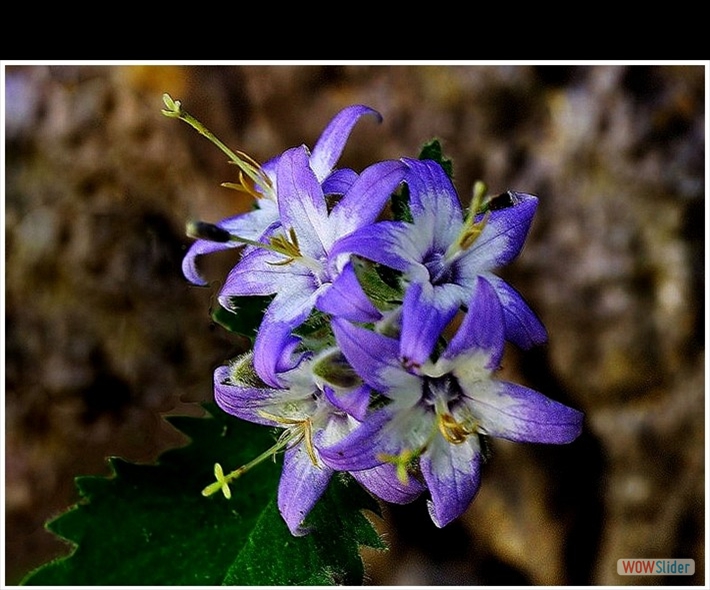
[
  {"x": 261, "y": 182},
  {"x": 308, "y": 422},
  {"x": 293, "y": 261},
  {"x": 441, "y": 254},
  {"x": 430, "y": 427}
]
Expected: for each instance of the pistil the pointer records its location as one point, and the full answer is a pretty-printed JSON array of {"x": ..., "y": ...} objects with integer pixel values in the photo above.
[
  {"x": 286, "y": 245},
  {"x": 297, "y": 431},
  {"x": 247, "y": 165},
  {"x": 471, "y": 229}
]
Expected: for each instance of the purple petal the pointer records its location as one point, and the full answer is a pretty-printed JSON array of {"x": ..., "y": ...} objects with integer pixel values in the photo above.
[
  {"x": 253, "y": 224},
  {"x": 301, "y": 486},
  {"x": 522, "y": 326},
  {"x": 199, "y": 248},
  {"x": 250, "y": 225},
  {"x": 256, "y": 274},
  {"x": 346, "y": 299},
  {"x": 302, "y": 206},
  {"x": 434, "y": 199},
  {"x": 360, "y": 449},
  {"x": 274, "y": 349},
  {"x": 274, "y": 341},
  {"x": 351, "y": 401},
  {"x": 242, "y": 401},
  {"x": 426, "y": 311},
  {"x": 364, "y": 202},
  {"x": 517, "y": 413},
  {"x": 339, "y": 182},
  {"x": 400, "y": 426},
  {"x": 392, "y": 243},
  {"x": 482, "y": 328},
  {"x": 502, "y": 238},
  {"x": 382, "y": 481},
  {"x": 452, "y": 474},
  {"x": 373, "y": 356},
  {"x": 332, "y": 141}
]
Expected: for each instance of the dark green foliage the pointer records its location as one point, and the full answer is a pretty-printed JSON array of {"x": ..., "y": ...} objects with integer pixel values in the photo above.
[{"x": 150, "y": 525}]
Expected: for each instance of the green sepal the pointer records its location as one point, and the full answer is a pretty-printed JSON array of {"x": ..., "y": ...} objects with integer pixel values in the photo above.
[
  {"x": 316, "y": 333},
  {"x": 334, "y": 369}
]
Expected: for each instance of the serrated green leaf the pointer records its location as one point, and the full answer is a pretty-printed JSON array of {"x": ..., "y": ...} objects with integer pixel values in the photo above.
[
  {"x": 150, "y": 525},
  {"x": 329, "y": 555}
]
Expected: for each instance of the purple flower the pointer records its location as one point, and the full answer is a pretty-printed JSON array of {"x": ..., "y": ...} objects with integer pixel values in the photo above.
[
  {"x": 441, "y": 254},
  {"x": 308, "y": 422},
  {"x": 293, "y": 260},
  {"x": 262, "y": 183},
  {"x": 437, "y": 410}
]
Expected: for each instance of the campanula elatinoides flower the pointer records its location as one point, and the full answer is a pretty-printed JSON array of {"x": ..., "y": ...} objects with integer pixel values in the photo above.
[
  {"x": 308, "y": 421},
  {"x": 261, "y": 182},
  {"x": 430, "y": 428},
  {"x": 292, "y": 261},
  {"x": 441, "y": 254}
]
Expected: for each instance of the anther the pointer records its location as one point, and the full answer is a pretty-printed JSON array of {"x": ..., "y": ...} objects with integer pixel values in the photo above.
[{"x": 453, "y": 431}]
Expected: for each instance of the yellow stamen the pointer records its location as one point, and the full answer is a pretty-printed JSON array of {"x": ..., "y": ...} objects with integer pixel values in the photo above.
[
  {"x": 471, "y": 233},
  {"x": 471, "y": 229},
  {"x": 280, "y": 244},
  {"x": 298, "y": 430},
  {"x": 453, "y": 431},
  {"x": 288, "y": 246}
]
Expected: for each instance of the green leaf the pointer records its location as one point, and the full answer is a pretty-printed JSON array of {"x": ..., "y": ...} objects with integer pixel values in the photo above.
[
  {"x": 245, "y": 315},
  {"x": 329, "y": 555},
  {"x": 432, "y": 151},
  {"x": 150, "y": 525}
]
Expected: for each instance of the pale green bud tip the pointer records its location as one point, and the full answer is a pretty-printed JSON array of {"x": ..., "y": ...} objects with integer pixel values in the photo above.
[
  {"x": 479, "y": 192},
  {"x": 173, "y": 107}
]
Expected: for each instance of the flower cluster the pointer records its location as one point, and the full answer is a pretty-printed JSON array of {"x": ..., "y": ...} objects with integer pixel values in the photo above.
[{"x": 386, "y": 324}]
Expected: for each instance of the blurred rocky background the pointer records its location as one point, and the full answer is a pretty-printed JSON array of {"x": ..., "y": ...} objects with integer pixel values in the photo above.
[{"x": 104, "y": 336}]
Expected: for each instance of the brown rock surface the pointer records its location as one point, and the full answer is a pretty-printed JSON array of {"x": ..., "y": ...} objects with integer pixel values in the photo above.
[{"x": 103, "y": 335}]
